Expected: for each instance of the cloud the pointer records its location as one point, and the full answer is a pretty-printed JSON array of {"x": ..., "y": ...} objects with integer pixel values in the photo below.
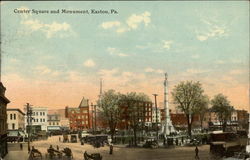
[
  {"x": 134, "y": 20},
  {"x": 212, "y": 31},
  {"x": 117, "y": 79},
  {"x": 220, "y": 62},
  {"x": 13, "y": 60},
  {"x": 167, "y": 44},
  {"x": 151, "y": 70},
  {"x": 195, "y": 56},
  {"x": 50, "y": 29},
  {"x": 89, "y": 63},
  {"x": 105, "y": 72},
  {"x": 114, "y": 51},
  {"x": 45, "y": 71},
  {"x": 132, "y": 23},
  {"x": 111, "y": 24},
  {"x": 237, "y": 72},
  {"x": 196, "y": 71}
]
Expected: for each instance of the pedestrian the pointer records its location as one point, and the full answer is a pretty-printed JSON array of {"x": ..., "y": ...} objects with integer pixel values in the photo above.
[
  {"x": 111, "y": 149},
  {"x": 176, "y": 141},
  {"x": 196, "y": 153},
  {"x": 21, "y": 146}
]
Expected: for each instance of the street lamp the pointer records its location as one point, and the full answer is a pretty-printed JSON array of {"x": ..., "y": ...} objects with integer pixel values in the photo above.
[{"x": 156, "y": 111}]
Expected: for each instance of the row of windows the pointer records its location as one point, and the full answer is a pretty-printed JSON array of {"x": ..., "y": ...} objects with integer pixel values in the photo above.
[
  {"x": 53, "y": 123},
  {"x": 37, "y": 113},
  {"x": 37, "y": 120},
  {"x": 77, "y": 111},
  {"x": 12, "y": 116},
  {"x": 82, "y": 122},
  {"x": 79, "y": 117}
]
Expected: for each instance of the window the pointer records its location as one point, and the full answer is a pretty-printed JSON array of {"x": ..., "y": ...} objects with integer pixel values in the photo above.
[
  {"x": 41, "y": 113},
  {"x": 37, "y": 113},
  {"x": 53, "y": 123},
  {"x": 44, "y": 120},
  {"x": 11, "y": 116},
  {"x": 13, "y": 125},
  {"x": 57, "y": 123},
  {"x": 14, "y": 116},
  {"x": 41, "y": 120},
  {"x": 84, "y": 111},
  {"x": 44, "y": 113}
]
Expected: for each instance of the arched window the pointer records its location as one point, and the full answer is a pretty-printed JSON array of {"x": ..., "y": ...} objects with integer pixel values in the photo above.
[
  {"x": 14, "y": 116},
  {"x": 11, "y": 116}
]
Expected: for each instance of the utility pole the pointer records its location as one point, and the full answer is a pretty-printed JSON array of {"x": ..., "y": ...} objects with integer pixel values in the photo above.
[
  {"x": 29, "y": 119},
  {"x": 92, "y": 111},
  {"x": 156, "y": 111},
  {"x": 95, "y": 117}
]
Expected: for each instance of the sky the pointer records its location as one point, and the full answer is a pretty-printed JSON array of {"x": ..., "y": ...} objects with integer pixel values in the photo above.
[{"x": 54, "y": 59}]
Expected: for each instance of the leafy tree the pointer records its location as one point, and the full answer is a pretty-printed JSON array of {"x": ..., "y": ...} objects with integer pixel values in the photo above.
[
  {"x": 221, "y": 106},
  {"x": 188, "y": 96},
  {"x": 110, "y": 110},
  {"x": 136, "y": 113}
]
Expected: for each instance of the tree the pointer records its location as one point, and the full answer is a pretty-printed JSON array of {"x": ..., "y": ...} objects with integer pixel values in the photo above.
[
  {"x": 136, "y": 113},
  {"x": 221, "y": 106},
  {"x": 110, "y": 110},
  {"x": 188, "y": 96},
  {"x": 202, "y": 108}
]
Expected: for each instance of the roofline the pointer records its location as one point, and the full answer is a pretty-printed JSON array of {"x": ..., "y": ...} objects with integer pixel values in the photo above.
[{"x": 15, "y": 109}]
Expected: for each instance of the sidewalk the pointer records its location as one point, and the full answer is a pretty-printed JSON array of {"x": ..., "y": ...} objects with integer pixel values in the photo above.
[{"x": 20, "y": 155}]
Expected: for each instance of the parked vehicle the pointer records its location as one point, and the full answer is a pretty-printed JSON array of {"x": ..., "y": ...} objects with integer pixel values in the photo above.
[
  {"x": 65, "y": 138},
  {"x": 225, "y": 144},
  {"x": 73, "y": 138},
  {"x": 151, "y": 143}
]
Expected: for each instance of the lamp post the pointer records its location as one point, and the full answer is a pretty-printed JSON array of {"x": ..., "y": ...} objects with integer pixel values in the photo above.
[{"x": 156, "y": 111}]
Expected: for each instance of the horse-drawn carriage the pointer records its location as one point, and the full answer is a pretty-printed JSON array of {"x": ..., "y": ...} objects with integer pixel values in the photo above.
[
  {"x": 35, "y": 154},
  {"x": 96, "y": 140},
  {"x": 93, "y": 156},
  {"x": 53, "y": 154}
]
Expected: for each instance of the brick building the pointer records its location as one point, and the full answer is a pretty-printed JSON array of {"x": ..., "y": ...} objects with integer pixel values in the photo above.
[
  {"x": 180, "y": 119},
  {"x": 242, "y": 116},
  {"x": 79, "y": 117},
  {"x": 144, "y": 114},
  {"x": 3, "y": 121}
]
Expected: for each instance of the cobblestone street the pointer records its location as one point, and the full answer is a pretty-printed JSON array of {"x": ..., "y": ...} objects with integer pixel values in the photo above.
[{"x": 120, "y": 152}]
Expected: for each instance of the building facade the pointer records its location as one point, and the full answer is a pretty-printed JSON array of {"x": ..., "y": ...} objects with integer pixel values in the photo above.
[
  {"x": 79, "y": 117},
  {"x": 143, "y": 111},
  {"x": 3, "y": 121},
  {"x": 156, "y": 115},
  {"x": 64, "y": 121},
  {"x": 53, "y": 122},
  {"x": 39, "y": 118},
  {"x": 15, "y": 119}
]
